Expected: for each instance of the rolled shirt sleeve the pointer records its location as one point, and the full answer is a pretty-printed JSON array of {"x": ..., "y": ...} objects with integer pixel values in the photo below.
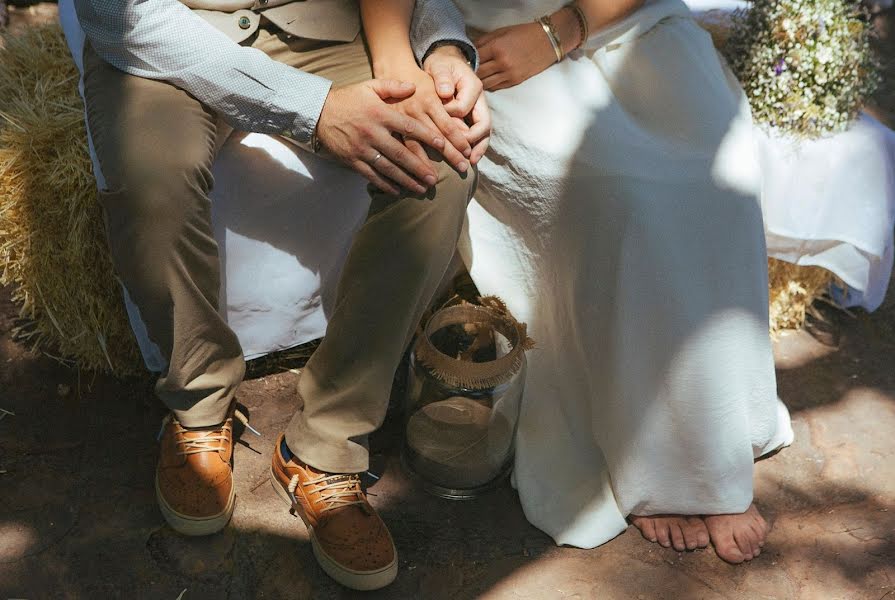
[
  {"x": 436, "y": 23},
  {"x": 165, "y": 40}
]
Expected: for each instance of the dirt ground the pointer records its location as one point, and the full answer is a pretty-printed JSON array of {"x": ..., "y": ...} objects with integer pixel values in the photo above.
[{"x": 78, "y": 517}]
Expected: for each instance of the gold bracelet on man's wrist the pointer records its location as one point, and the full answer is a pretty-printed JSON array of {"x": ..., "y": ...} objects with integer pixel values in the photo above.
[{"x": 550, "y": 30}]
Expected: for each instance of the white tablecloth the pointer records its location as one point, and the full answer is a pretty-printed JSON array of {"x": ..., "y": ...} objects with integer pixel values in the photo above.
[
  {"x": 830, "y": 202},
  {"x": 284, "y": 220}
]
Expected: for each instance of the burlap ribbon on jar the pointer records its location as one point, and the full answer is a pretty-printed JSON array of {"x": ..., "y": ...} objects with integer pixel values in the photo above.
[{"x": 461, "y": 371}]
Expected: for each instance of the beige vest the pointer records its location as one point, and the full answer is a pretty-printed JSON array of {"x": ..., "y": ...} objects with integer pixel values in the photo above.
[{"x": 331, "y": 20}]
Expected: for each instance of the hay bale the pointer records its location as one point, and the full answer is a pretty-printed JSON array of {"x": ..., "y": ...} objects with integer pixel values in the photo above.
[
  {"x": 52, "y": 245},
  {"x": 792, "y": 289}
]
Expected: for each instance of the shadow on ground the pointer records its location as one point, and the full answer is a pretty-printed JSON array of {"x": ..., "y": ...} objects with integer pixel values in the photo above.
[{"x": 78, "y": 517}]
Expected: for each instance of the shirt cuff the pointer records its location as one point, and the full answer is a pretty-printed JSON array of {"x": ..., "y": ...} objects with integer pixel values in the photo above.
[
  {"x": 300, "y": 99},
  {"x": 468, "y": 50}
]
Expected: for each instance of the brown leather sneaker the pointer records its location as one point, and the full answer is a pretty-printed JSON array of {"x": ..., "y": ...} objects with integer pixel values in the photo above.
[
  {"x": 194, "y": 477},
  {"x": 349, "y": 539}
]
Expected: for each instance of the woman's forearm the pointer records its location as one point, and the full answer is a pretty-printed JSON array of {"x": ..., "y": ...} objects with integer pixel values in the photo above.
[
  {"x": 599, "y": 14},
  {"x": 387, "y": 28}
]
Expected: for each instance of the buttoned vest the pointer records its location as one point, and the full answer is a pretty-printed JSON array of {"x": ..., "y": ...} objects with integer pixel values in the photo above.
[{"x": 331, "y": 20}]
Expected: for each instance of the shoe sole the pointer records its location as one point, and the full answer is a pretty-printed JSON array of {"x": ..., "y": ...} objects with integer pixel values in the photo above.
[
  {"x": 195, "y": 526},
  {"x": 356, "y": 580}
]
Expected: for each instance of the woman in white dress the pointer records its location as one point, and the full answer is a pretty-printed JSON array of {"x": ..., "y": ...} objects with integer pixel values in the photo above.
[{"x": 617, "y": 214}]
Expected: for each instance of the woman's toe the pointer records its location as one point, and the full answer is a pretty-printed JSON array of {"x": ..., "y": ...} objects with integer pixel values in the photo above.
[
  {"x": 726, "y": 549},
  {"x": 702, "y": 539},
  {"x": 648, "y": 529},
  {"x": 759, "y": 534},
  {"x": 663, "y": 535},
  {"x": 677, "y": 537},
  {"x": 646, "y": 526},
  {"x": 744, "y": 543},
  {"x": 692, "y": 528}
]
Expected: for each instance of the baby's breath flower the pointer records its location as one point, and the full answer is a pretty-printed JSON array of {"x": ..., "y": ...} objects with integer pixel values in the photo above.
[{"x": 806, "y": 65}]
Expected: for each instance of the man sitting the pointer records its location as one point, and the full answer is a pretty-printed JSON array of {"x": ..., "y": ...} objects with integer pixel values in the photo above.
[{"x": 158, "y": 75}]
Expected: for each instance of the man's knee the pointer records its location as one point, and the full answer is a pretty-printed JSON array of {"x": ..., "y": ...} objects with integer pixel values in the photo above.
[{"x": 454, "y": 190}]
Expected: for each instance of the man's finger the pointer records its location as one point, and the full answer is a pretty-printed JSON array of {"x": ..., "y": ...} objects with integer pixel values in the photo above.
[
  {"x": 392, "y": 89},
  {"x": 458, "y": 142},
  {"x": 469, "y": 88},
  {"x": 383, "y": 165},
  {"x": 481, "y": 121},
  {"x": 450, "y": 153},
  {"x": 444, "y": 80},
  {"x": 373, "y": 177},
  {"x": 414, "y": 129},
  {"x": 479, "y": 150},
  {"x": 480, "y": 132},
  {"x": 417, "y": 148},
  {"x": 461, "y": 125},
  {"x": 480, "y": 144},
  {"x": 399, "y": 155}
]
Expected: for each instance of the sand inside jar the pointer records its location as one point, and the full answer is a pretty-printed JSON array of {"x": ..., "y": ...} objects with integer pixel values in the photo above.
[{"x": 458, "y": 443}]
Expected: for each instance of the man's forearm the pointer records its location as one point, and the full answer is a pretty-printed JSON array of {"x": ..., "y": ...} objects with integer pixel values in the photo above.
[{"x": 162, "y": 39}]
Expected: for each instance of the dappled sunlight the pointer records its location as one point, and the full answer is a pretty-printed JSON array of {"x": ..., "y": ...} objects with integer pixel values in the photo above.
[{"x": 17, "y": 540}]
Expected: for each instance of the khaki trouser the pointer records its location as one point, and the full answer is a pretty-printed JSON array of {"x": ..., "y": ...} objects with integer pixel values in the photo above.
[{"x": 156, "y": 145}]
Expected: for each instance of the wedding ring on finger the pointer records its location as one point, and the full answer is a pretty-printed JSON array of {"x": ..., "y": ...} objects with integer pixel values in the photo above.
[{"x": 375, "y": 158}]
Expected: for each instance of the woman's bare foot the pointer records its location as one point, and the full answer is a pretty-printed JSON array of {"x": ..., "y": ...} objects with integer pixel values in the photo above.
[
  {"x": 737, "y": 538},
  {"x": 677, "y": 531}
]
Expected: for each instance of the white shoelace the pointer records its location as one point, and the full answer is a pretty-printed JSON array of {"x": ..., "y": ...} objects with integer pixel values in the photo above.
[
  {"x": 209, "y": 442},
  {"x": 338, "y": 491}
]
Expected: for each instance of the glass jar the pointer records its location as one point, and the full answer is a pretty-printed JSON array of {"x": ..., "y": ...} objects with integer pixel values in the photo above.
[{"x": 467, "y": 372}]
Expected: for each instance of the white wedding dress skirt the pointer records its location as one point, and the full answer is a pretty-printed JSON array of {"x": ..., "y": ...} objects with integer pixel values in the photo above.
[{"x": 618, "y": 214}]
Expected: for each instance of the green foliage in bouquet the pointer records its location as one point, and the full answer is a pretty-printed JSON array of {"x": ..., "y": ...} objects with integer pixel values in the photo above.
[{"x": 807, "y": 65}]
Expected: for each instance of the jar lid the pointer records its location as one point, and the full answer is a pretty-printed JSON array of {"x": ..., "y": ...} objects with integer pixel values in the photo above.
[{"x": 467, "y": 374}]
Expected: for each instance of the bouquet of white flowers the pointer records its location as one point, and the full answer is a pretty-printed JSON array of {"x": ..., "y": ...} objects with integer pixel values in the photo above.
[{"x": 807, "y": 65}]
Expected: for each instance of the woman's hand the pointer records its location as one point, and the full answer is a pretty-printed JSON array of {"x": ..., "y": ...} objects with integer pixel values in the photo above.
[
  {"x": 510, "y": 55},
  {"x": 427, "y": 107}
]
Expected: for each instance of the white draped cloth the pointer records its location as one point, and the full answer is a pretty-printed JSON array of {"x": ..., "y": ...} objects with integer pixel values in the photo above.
[
  {"x": 618, "y": 214},
  {"x": 284, "y": 236}
]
